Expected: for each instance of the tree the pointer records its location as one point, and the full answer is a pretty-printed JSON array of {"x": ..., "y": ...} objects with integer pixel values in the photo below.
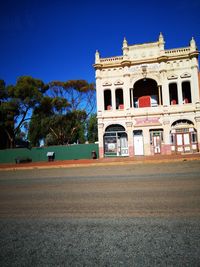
[
  {"x": 92, "y": 129},
  {"x": 79, "y": 93},
  {"x": 4, "y": 142},
  {"x": 56, "y": 127},
  {"x": 67, "y": 129},
  {"x": 70, "y": 104},
  {"x": 17, "y": 103},
  {"x": 57, "y": 112}
]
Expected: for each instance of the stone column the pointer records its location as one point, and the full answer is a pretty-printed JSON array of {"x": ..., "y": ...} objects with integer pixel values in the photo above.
[
  {"x": 100, "y": 138},
  {"x": 197, "y": 124},
  {"x": 159, "y": 95},
  {"x": 194, "y": 66},
  {"x": 166, "y": 146},
  {"x": 146, "y": 140},
  {"x": 179, "y": 91},
  {"x": 130, "y": 137},
  {"x": 126, "y": 88},
  {"x": 195, "y": 82},
  {"x": 113, "y": 97},
  {"x": 99, "y": 92},
  {"x": 165, "y": 88}
]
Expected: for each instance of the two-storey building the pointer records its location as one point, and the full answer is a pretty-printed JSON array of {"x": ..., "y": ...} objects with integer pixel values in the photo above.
[{"x": 148, "y": 100}]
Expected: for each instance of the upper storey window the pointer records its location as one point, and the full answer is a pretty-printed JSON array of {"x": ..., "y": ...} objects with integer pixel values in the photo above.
[
  {"x": 173, "y": 94},
  {"x": 107, "y": 100},
  {"x": 119, "y": 99},
  {"x": 145, "y": 93},
  {"x": 186, "y": 92}
]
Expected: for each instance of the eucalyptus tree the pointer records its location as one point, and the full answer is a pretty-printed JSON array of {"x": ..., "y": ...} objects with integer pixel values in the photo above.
[
  {"x": 17, "y": 103},
  {"x": 73, "y": 102}
]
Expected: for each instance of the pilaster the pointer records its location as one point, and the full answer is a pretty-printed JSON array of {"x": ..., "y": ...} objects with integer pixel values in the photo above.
[
  {"x": 165, "y": 87},
  {"x": 126, "y": 88},
  {"x": 146, "y": 140},
  {"x": 180, "y": 94},
  {"x": 100, "y": 138},
  {"x": 129, "y": 131}
]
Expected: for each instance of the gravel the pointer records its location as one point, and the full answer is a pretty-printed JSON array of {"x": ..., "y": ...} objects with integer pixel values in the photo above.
[{"x": 100, "y": 242}]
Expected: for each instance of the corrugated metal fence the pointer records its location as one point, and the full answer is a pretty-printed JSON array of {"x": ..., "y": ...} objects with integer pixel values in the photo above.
[{"x": 83, "y": 151}]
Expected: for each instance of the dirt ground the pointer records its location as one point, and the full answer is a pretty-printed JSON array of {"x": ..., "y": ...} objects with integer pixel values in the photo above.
[{"x": 123, "y": 191}]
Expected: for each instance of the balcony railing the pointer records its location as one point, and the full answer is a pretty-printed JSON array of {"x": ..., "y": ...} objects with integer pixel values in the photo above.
[
  {"x": 177, "y": 51},
  {"x": 111, "y": 59},
  {"x": 158, "y": 110}
]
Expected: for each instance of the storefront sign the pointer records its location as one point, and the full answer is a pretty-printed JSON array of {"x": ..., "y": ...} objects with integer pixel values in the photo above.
[{"x": 147, "y": 121}]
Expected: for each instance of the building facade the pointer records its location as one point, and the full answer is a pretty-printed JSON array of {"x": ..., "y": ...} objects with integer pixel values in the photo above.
[{"x": 148, "y": 100}]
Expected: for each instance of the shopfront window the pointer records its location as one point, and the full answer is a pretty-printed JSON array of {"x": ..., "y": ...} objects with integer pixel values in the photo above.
[{"x": 115, "y": 141}]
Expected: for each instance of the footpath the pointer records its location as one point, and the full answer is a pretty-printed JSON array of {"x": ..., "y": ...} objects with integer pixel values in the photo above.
[{"x": 156, "y": 159}]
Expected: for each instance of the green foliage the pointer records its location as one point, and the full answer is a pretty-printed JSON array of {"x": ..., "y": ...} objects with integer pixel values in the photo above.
[
  {"x": 92, "y": 129},
  {"x": 79, "y": 93},
  {"x": 67, "y": 129},
  {"x": 57, "y": 113},
  {"x": 17, "y": 102},
  {"x": 3, "y": 91}
]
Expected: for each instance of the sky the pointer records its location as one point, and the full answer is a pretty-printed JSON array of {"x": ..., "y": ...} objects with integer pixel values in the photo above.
[{"x": 57, "y": 39}]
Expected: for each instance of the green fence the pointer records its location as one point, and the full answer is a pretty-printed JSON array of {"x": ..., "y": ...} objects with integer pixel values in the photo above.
[{"x": 40, "y": 153}]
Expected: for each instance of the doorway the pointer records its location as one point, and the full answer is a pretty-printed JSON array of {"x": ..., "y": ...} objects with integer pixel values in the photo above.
[
  {"x": 183, "y": 142},
  {"x": 156, "y": 138},
  {"x": 115, "y": 141},
  {"x": 184, "y": 137},
  {"x": 138, "y": 143}
]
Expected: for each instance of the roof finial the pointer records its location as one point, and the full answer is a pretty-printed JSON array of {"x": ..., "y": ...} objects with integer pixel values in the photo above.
[
  {"x": 161, "y": 38},
  {"x": 125, "y": 44},
  {"x": 193, "y": 43},
  {"x": 97, "y": 56}
]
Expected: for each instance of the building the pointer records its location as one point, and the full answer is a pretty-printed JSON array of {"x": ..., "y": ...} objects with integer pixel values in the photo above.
[{"x": 148, "y": 100}]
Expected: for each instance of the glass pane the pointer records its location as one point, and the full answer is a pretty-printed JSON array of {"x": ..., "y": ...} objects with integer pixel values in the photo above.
[
  {"x": 179, "y": 139},
  {"x": 186, "y": 139}
]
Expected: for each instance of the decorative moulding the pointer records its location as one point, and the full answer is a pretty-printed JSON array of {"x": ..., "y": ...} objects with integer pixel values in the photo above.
[
  {"x": 172, "y": 77},
  {"x": 185, "y": 75},
  {"x": 118, "y": 82},
  {"x": 107, "y": 83}
]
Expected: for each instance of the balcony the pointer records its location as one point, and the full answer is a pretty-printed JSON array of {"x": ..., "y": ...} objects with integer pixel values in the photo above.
[{"x": 156, "y": 110}]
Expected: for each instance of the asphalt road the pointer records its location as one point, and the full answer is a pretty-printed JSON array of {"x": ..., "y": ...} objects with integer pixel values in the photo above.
[{"x": 131, "y": 215}]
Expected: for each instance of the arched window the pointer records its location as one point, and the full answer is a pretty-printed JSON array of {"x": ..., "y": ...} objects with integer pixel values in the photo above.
[
  {"x": 115, "y": 141},
  {"x": 186, "y": 91},
  {"x": 173, "y": 94},
  {"x": 119, "y": 99},
  {"x": 145, "y": 93},
  {"x": 115, "y": 128},
  {"x": 183, "y": 137},
  {"x": 107, "y": 100}
]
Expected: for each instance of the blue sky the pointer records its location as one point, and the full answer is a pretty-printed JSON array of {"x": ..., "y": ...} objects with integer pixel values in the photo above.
[{"x": 57, "y": 40}]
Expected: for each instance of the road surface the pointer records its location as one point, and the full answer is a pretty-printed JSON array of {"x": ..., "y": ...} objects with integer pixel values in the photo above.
[{"x": 131, "y": 215}]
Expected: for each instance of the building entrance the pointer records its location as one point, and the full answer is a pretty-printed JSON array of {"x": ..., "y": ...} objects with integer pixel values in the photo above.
[
  {"x": 183, "y": 142},
  {"x": 156, "y": 138},
  {"x": 138, "y": 143},
  {"x": 184, "y": 137},
  {"x": 115, "y": 141}
]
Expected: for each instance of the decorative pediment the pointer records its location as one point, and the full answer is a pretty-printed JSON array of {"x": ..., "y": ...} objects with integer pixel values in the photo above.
[
  {"x": 185, "y": 75},
  {"x": 107, "y": 83},
  {"x": 172, "y": 77},
  {"x": 118, "y": 82}
]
